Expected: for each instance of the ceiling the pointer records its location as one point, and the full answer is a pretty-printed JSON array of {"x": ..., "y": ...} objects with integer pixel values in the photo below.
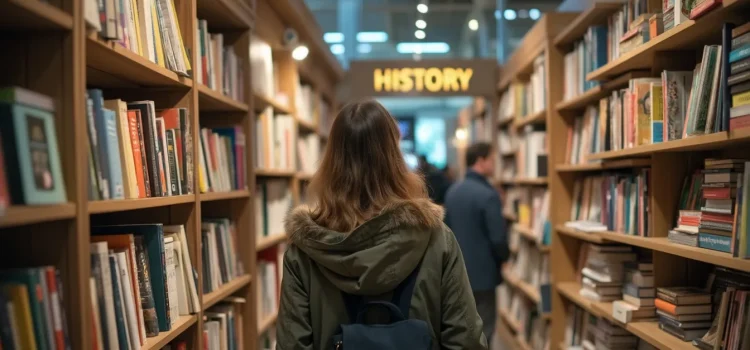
[{"x": 447, "y": 21}]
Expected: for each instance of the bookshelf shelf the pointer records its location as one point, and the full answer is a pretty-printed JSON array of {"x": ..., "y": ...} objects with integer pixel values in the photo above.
[
  {"x": 528, "y": 290},
  {"x": 591, "y": 237},
  {"x": 510, "y": 153},
  {"x": 266, "y": 323},
  {"x": 304, "y": 176},
  {"x": 539, "y": 181},
  {"x": 650, "y": 332},
  {"x": 275, "y": 173},
  {"x": 615, "y": 164},
  {"x": 115, "y": 205},
  {"x": 17, "y": 215},
  {"x": 111, "y": 65},
  {"x": 691, "y": 34},
  {"x": 269, "y": 241},
  {"x": 581, "y": 101},
  {"x": 261, "y": 102},
  {"x": 307, "y": 126},
  {"x": 505, "y": 122},
  {"x": 225, "y": 14},
  {"x": 532, "y": 119},
  {"x": 597, "y": 14},
  {"x": 210, "y": 100},
  {"x": 218, "y": 196},
  {"x": 33, "y": 15},
  {"x": 695, "y": 143},
  {"x": 224, "y": 291},
  {"x": 161, "y": 340}
]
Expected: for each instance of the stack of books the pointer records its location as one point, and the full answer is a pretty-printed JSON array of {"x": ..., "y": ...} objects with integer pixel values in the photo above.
[
  {"x": 718, "y": 219},
  {"x": 731, "y": 319},
  {"x": 672, "y": 14},
  {"x": 618, "y": 202},
  {"x": 588, "y": 55},
  {"x": 30, "y": 168},
  {"x": 739, "y": 77},
  {"x": 218, "y": 66},
  {"x": 275, "y": 141},
  {"x": 603, "y": 274},
  {"x": 142, "y": 281},
  {"x": 221, "y": 263},
  {"x": 273, "y": 199},
  {"x": 688, "y": 221},
  {"x": 261, "y": 62},
  {"x": 32, "y": 312},
  {"x": 684, "y": 312},
  {"x": 638, "y": 294},
  {"x": 136, "y": 151},
  {"x": 222, "y": 327},
  {"x": 586, "y": 136},
  {"x": 610, "y": 336},
  {"x": 148, "y": 28},
  {"x": 222, "y": 159}
]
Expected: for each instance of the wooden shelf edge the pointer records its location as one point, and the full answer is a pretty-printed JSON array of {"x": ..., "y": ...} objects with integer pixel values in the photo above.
[
  {"x": 38, "y": 13},
  {"x": 528, "y": 290},
  {"x": 592, "y": 237},
  {"x": 217, "y": 196},
  {"x": 261, "y": 102},
  {"x": 18, "y": 215},
  {"x": 269, "y": 241},
  {"x": 224, "y": 102},
  {"x": 115, "y": 205},
  {"x": 304, "y": 176},
  {"x": 596, "y": 14},
  {"x": 161, "y": 340},
  {"x": 535, "y": 118},
  {"x": 307, "y": 125},
  {"x": 275, "y": 173},
  {"x": 210, "y": 299},
  {"x": 539, "y": 181},
  {"x": 265, "y": 324},
  {"x": 615, "y": 164},
  {"x": 693, "y": 143},
  {"x": 233, "y": 14}
]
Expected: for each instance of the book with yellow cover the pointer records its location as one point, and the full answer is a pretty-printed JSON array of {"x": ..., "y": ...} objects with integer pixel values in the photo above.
[
  {"x": 157, "y": 36},
  {"x": 741, "y": 99},
  {"x": 18, "y": 295}
]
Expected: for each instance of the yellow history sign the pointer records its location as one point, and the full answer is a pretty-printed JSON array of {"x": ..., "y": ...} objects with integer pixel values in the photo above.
[{"x": 432, "y": 79}]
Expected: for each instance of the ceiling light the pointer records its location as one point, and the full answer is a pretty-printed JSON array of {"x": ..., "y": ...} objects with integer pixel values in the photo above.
[
  {"x": 422, "y": 8},
  {"x": 300, "y": 52},
  {"x": 509, "y": 14},
  {"x": 364, "y": 48},
  {"x": 421, "y": 24},
  {"x": 423, "y": 47},
  {"x": 372, "y": 37},
  {"x": 333, "y": 37},
  {"x": 474, "y": 25},
  {"x": 535, "y": 14},
  {"x": 419, "y": 34},
  {"x": 337, "y": 49}
]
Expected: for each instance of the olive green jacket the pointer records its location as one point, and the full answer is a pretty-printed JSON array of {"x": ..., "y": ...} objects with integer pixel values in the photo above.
[{"x": 372, "y": 260}]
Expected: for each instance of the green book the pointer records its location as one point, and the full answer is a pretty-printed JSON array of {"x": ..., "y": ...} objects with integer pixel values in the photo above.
[{"x": 30, "y": 278}]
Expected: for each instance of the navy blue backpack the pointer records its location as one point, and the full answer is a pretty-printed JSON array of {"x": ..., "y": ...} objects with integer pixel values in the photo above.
[{"x": 400, "y": 334}]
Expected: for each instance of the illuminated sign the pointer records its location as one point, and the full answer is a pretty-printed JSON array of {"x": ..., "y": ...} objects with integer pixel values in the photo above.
[{"x": 432, "y": 79}]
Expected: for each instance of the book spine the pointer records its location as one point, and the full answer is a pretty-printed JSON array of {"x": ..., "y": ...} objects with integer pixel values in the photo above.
[
  {"x": 715, "y": 242},
  {"x": 55, "y": 307},
  {"x": 128, "y": 306},
  {"x": 153, "y": 149},
  {"x": 739, "y": 66},
  {"x": 741, "y": 40},
  {"x": 125, "y": 144},
  {"x": 101, "y": 140},
  {"x": 22, "y": 320},
  {"x": 136, "y": 152},
  {"x": 116, "y": 185},
  {"x": 741, "y": 99},
  {"x": 144, "y": 156},
  {"x": 123, "y": 338},
  {"x": 148, "y": 308},
  {"x": 173, "y": 310},
  {"x": 172, "y": 163},
  {"x": 187, "y": 146},
  {"x": 161, "y": 140},
  {"x": 739, "y": 53},
  {"x": 93, "y": 148}
]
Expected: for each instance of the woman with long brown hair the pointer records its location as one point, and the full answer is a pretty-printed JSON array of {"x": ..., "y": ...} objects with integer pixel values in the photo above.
[{"x": 372, "y": 236}]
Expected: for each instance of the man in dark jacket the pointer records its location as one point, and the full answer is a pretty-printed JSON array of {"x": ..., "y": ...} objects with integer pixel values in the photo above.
[{"x": 474, "y": 213}]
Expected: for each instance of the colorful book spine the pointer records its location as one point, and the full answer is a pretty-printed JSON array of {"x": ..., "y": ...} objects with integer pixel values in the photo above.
[
  {"x": 116, "y": 186},
  {"x": 715, "y": 242}
]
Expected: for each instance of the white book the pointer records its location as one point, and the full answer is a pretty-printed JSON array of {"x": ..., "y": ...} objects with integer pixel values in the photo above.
[
  {"x": 130, "y": 183},
  {"x": 174, "y": 308},
  {"x": 214, "y": 342},
  {"x": 102, "y": 253},
  {"x": 270, "y": 285},
  {"x": 175, "y": 37},
  {"x": 163, "y": 21},
  {"x": 95, "y": 308},
  {"x": 147, "y": 29},
  {"x": 221, "y": 319},
  {"x": 131, "y": 318},
  {"x": 210, "y": 176},
  {"x": 91, "y": 14},
  {"x": 198, "y": 75},
  {"x": 187, "y": 265},
  {"x": 181, "y": 289}
]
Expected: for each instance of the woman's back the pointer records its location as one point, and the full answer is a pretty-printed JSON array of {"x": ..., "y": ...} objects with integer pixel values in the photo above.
[{"x": 372, "y": 225}]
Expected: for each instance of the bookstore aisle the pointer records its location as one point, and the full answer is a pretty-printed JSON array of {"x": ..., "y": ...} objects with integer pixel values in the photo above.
[
  {"x": 139, "y": 201},
  {"x": 623, "y": 141}
]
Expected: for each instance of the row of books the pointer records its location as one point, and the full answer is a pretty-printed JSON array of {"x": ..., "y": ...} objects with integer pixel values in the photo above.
[
  {"x": 149, "y": 28},
  {"x": 533, "y": 329},
  {"x": 613, "y": 202},
  {"x": 637, "y": 302},
  {"x": 273, "y": 200},
  {"x": 531, "y": 157},
  {"x": 587, "y": 135},
  {"x": 529, "y": 266},
  {"x": 222, "y": 160},
  {"x": 263, "y": 79},
  {"x": 588, "y": 54},
  {"x": 142, "y": 281},
  {"x": 601, "y": 270},
  {"x": 533, "y": 212},
  {"x": 30, "y": 166},
  {"x": 506, "y": 108},
  {"x": 269, "y": 272},
  {"x": 713, "y": 213},
  {"x": 32, "y": 313},
  {"x": 223, "y": 325},
  {"x": 274, "y": 141},
  {"x": 221, "y": 264},
  {"x": 507, "y": 145},
  {"x": 738, "y": 78},
  {"x": 306, "y": 103},
  {"x": 136, "y": 151},
  {"x": 531, "y": 96},
  {"x": 684, "y": 312},
  {"x": 218, "y": 66},
  {"x": 308, "y": 153},
  {"x": 586, "y": 331}
]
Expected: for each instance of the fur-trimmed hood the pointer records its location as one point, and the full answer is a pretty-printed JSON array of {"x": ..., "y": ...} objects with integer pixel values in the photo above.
[{"x": 376, "y": 256}]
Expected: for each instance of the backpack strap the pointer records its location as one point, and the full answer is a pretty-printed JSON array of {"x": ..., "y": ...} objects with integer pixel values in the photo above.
[{"x": 401, "y": 296}]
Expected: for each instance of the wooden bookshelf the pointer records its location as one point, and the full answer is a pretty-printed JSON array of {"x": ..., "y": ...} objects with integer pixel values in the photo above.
[
  {"x": 270, "y": 241},
  {"x": 591, "y": 237},
  {"x": 527, "y": 289},
  {"x": 275, "y": 173},
  {"x": 219, "y": 196},
  {"x": 539, "y": 181},
  {"x": 531, "y": 119},
  {"x": 26, "y": 215},
  {"x": 261, "y": 102},
  {"x": 266, "y": 323},
  {"x": 34, "y": 15},
  {"x": 161, "y": 340},
  {"x": 505, "y": 122},
  {"x": 226, "y": 14},
  {"x": 210, "y": 100},
  {"x": 615, "y": 164},
  {"x": 118, "y": 205},
  {"x": 598, "y": 13},
  {"x": 224, "y": 291}
]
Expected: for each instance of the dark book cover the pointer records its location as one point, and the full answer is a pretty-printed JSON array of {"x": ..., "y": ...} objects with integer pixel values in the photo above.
[
  {"x": 4, "y": 194},
  {"x": 151, "y": 145},
  {"x": 739, "y": 66},
  {"x": 220, "y": 246},
  {"x": 685, "y": 335},
  {"x": 122, "y": 332},
  {"x": 99, "y": 130},
  {"x": 144, "y": 155},
  {"x": 150, "y": 318},
  {"x": 6, "y": 332},
  {"x": 735, "y": 79},
  {"x": 187, "y": 142},
  {"x": 153, "y": 242},
  {"x": 30, "y": 278},
  {"x": 740, "y": 88},
  {"x": 172, "y": 166},
  {"x": 740, "y": 40},
  {"x": 726, "y": 97},
  {"x": 93, "y": 152},
  {"x": 206, "y": 264}
]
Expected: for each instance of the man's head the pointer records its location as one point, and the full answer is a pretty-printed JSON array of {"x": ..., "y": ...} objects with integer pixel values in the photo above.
[{"x": 480, "y": 158}]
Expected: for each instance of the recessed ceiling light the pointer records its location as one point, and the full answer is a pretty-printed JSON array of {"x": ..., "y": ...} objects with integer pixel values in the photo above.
[
  {"x": 333, "y": 37},
  {"x": 421, "y": 24},
  {"x": 300, "y": 52},
  {"x": 338, "y": 49},
  {"x": 535, "y": 14},
  {"x": 509, "y": 14},
  {"x": 419, "y": 34},
  {"x": 372, "y": 37},
  {"x": 423, "y": 47},
  {"x": 474, "y": 25},
  {"x": 364, "y": 48},
  {"x": 422, "y": 8}
]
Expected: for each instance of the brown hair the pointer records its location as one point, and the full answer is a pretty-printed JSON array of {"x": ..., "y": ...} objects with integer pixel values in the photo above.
[{"x": 363, "y": 170}]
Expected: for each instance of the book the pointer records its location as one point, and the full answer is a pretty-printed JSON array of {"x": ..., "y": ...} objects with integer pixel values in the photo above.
[
  {"x": 625, "y": 312},
  {"x": 685, "y": 318},
  {"x": 101, "y": 271},
  {"x": 683, "y": 295},
  {"x": 123, "y": 336},
  {"x": 127, "y": 161},
  {"x": 25, "y": 336},
  {"x": 148, "y": 308},
  {"x": 173, "y": 311},
  {"x": 681, "y": 309},
  {"x": 152, "y": 147},
  {"x": 186, "y": 264},
  {"x": 684, "y": 334}
]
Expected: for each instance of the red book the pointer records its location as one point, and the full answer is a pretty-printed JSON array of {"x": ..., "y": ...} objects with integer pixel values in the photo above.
[
  {"x": 739, "y": 122},
  {"x": 4, "y": 196},
  {"x": 721, "y": 218},
  {"x": 703, "y": 8},
  {"x": 171, "y": 118},
  {"x": 133, "y": 116},
  {"x": 718, "y": 193},
  {"x": 54, "y": 307}
]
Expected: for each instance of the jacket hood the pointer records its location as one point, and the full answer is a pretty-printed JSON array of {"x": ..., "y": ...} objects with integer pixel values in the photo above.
[{"x": 377, "y": 255}]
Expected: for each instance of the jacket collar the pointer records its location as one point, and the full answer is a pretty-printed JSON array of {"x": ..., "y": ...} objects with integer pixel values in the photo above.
[{"x": 471, "y": 174}]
